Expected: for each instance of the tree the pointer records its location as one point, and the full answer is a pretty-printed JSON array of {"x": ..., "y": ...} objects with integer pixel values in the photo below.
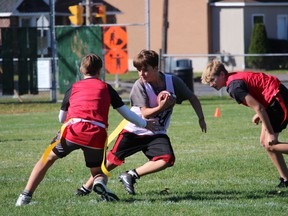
[{"x": 258, "y": 45}]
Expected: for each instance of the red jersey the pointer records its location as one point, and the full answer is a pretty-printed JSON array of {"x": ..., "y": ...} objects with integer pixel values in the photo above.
[
  {"x": 261, "y": 86},
  {"x": 89, "y": 99}
]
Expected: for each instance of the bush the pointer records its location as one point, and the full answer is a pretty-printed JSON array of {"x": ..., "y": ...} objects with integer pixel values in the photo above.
[{"x": 258, "y": 45}]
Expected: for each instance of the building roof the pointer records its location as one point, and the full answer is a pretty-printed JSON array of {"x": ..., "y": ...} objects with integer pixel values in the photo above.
[{"x": 8, "y": 6}]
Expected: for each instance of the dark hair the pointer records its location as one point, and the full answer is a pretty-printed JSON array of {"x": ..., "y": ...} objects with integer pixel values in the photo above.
[
  {"x": 145, "y": 58},
  {"x": 91, "y": 64}
]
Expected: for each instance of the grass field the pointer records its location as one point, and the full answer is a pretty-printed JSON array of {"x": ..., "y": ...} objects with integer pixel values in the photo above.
[{"x": 223, "y": 172}]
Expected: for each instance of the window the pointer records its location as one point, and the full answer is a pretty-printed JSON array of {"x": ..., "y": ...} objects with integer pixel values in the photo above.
[
  {"x": 282, "y": 27},
  {"x": 257, "y": 18}
]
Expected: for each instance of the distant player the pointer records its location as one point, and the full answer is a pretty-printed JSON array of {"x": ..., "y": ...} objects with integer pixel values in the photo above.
[{"x": 267, "y": 97}]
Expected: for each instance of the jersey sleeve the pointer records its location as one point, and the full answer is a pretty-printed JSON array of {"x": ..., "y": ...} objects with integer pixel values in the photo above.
[
  {"x": 65, "y": 103},
  {"x": 116, "y": 100},
  {"x": 238, "y": 90},
  {"x": 138, "y": 95},
  {"x": 182, "y": 91}
]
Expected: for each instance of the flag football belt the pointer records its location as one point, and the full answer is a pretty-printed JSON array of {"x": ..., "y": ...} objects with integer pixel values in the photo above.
[
  {"x": 63, "y": 127},
  {"x": 75, "y": 120},
  {"x": 111, "y": 137}
]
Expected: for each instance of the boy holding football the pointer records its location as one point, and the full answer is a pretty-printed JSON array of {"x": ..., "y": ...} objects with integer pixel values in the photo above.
[
  {"x": 84, "y": 112},
  {"x": 146, "y": 103},
  {"x": 267, "y": 96}
]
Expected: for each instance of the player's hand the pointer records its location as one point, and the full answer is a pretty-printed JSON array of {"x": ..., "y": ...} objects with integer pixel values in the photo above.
[
  {"x": 151, "y": 125},
  {"x": 202, "y": 124},
  {"x": 273, "y": 142},
  {"x": 255, "y": 119}
]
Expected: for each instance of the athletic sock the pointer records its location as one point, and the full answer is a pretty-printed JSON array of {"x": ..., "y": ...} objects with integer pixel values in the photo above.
[
  {"x": 85, "y": 189},
  {"x": 134, "y": 174}
]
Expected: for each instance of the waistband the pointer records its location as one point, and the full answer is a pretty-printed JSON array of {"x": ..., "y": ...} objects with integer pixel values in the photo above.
[{"x": 76, "y": 120}]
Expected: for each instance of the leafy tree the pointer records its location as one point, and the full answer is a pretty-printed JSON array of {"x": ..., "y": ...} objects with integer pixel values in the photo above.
[{"x": 258, "y": 45}]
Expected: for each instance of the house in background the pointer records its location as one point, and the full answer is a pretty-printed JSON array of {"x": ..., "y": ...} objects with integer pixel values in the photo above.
[
  {"x": 203, "y": 26},
  {"x": 196, "y": 27},
  {"x": 232, "y": 24}
]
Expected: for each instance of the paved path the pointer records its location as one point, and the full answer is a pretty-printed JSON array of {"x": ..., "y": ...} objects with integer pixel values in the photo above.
[{"x": 199, "y": 88}]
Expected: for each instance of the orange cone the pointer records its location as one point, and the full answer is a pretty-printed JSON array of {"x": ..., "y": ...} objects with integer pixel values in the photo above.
[{"x": 217, "y": 113}]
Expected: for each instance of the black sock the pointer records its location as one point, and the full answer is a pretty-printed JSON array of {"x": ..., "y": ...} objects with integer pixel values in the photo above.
[{"x": 27, "y": 193}]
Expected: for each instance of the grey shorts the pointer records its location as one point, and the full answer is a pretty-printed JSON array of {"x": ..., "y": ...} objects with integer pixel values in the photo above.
[{"x": 93, "y": 157}]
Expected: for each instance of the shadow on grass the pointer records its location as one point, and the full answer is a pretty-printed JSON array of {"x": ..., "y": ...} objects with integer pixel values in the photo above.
[{"x": 207, "y": 195}]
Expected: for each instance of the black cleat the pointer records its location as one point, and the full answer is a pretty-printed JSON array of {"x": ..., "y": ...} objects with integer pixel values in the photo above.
[
  {"x": 82, "y": 192},
  {"x": 128, "y": 182},
  {"x": 282, "y": 183}
]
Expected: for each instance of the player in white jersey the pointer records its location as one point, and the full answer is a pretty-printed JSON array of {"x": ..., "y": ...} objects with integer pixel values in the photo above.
[{"x": 132, "y": 139}]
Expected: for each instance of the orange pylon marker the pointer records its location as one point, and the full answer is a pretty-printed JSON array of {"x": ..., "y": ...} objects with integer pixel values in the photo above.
[{"x": 217, "y": 113}]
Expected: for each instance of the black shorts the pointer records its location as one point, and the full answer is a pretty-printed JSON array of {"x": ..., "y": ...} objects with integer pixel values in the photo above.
[
  {"x": 93, "y": 157},
  {"x": 154, "y": 147},
  {"x": 276, "y": 113}
]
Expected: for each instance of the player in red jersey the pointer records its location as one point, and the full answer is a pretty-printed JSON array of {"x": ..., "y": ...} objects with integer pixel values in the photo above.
[
  {"x": 267, "y": 96},
  {"x": 84, "y": 112}
]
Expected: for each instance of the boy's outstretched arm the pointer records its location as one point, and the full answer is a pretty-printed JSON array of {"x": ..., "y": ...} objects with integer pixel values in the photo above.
[{"x": 194, "y": 101}]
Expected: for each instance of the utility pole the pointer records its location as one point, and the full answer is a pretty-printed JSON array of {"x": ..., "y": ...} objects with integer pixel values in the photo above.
[
  {"x": 164, "y": 31},
  {"x": 147, "y": 24},
  {"x": 53, "y": 49},
  {"x": 88, "y": 12}
]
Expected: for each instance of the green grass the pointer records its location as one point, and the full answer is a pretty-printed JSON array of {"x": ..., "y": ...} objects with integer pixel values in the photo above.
[{"x": 222, "y": 172}]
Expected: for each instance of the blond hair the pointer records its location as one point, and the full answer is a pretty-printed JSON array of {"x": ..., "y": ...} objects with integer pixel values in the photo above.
[{"x": 213, "y": 68}]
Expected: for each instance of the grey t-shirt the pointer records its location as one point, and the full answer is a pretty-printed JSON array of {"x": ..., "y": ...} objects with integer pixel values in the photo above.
[{"x": 139, "y": 97}]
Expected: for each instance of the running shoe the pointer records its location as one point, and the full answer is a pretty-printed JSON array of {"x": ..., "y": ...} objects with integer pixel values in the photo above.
[
  {"x": 106, "y": 195},
  {"x": 23, "y": 200},
  {"x": 282, "y": 183}
]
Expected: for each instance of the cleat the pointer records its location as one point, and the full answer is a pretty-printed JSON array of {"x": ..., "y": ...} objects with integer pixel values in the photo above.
[
  {"x": 106, "y": 195},
  {"x": 282, "y": 183},
  {"x": 23, "y": 200},
  {"x": 128, "y": 182},
  {"x": 82, "y": 192}
]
